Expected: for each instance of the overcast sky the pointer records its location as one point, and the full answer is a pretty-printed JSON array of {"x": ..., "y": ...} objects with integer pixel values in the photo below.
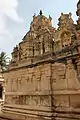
[{"x": 16, "y": 15}]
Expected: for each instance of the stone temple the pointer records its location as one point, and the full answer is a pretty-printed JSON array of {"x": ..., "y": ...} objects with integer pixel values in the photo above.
[{"x": 43, "y": 79}]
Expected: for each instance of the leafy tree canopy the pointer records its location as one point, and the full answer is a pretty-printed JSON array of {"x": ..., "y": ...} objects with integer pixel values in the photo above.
[{"x": 4, "y": 60}]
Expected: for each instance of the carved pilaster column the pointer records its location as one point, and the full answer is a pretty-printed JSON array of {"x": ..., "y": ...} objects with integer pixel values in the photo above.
[
  {"x": 47, "y": 46},
  {"x": 36, "y": 49},
  {"x": 27, "y": 50},
  {"x": 41, "y": 48},
  {"x": 31, "y": 50}
]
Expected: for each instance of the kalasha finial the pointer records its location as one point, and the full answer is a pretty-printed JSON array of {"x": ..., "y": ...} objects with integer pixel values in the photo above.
[
  {"x": 50, "y": 18},
  {"x": 40, "y": 12}
]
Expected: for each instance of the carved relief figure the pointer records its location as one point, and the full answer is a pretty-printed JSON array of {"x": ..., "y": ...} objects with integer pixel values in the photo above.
[{"x": 65, "y": 39}]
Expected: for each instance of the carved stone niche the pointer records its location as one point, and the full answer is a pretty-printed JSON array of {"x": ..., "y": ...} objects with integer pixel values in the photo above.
[{"x": 65, "y": 38}]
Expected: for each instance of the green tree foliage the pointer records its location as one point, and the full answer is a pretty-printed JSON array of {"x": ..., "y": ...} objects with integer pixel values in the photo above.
[{"x": 4, "y": 61}]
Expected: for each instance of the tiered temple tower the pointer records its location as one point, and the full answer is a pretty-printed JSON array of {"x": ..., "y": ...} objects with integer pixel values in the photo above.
[{"x": 43, "y": 79}]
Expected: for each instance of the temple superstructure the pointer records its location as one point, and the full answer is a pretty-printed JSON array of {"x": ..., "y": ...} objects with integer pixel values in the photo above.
[
  {"x": 38, "y": 41},
  {"x": 42, "y": 81}
]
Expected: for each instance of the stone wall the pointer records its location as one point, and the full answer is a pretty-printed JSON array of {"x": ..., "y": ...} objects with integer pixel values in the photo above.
[
  {"x": 28, "y": 81},
  {"x": 29, "y": 88},
  {"x": 41, "y": 90}
]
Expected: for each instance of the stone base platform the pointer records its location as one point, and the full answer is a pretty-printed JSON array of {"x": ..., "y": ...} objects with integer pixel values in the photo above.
[{"x": 59, "y": 114}]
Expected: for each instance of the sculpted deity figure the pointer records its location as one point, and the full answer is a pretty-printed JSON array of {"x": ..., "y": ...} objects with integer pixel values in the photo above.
[{"x": 66, "y": 39}]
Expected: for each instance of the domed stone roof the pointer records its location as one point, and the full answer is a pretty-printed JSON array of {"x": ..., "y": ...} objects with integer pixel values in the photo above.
[{"x": 40, "y": 20}]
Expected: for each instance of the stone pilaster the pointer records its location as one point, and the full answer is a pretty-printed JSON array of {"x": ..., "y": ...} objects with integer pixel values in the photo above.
[{"x": 36, "y": 49}]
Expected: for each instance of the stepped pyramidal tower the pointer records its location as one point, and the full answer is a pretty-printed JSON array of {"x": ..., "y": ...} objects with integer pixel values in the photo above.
[{"x": 42, "y": 81}]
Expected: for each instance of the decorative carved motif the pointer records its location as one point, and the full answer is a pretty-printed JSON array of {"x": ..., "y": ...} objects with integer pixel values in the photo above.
[
  {"x": 66, "y": 38},
  {"x": 63, "y": 35},
  {"x": 65, "y": 21}
]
